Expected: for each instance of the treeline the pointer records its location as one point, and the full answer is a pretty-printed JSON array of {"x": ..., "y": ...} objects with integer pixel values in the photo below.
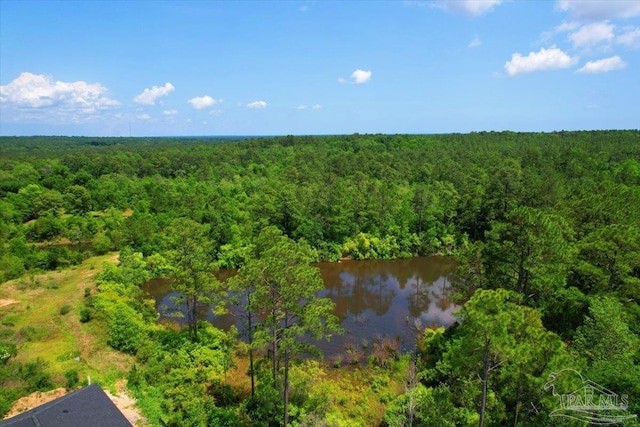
[
  {"x": 364, "y": 196},
  {"x": 545, "y": 227}
]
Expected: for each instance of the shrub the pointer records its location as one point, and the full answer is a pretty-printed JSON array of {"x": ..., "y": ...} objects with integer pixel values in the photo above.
[
  {"x": 72, "y": 378},
  {"x": 126, "y": 330},
  {"x": 101, "y": 244},
  {"x": 65, "y": 309},
  {"x": 35, "y": 376},
  {"x": 7, "y": 397},
  {"x": 86, "y": 314},
  {"x": 7, "y": 351},
  {"x": 11, "y": 267},
  {"x": 30, "y": 333}
]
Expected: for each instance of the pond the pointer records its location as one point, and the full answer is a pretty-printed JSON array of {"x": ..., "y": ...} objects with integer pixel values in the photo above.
[{"x": 374, "y": 300}]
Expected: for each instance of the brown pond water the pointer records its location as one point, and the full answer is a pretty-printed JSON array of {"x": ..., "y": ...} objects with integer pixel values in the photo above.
[{"x": 375, "y": 300}]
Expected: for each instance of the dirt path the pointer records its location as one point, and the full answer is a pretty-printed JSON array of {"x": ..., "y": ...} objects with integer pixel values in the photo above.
[{"x": 127, "y": 404}]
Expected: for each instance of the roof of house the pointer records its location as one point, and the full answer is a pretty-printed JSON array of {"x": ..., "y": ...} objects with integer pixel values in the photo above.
[{"x": 89, "y": 406}]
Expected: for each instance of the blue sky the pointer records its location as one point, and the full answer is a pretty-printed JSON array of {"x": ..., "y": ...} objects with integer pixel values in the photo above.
[{"x": 317, "y": 67}]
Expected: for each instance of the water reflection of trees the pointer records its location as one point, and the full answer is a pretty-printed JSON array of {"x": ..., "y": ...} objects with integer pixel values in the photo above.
[
  {"x": 366, "y": 294},
  {"x": 431, "y": 284},
  {"x": 356, "y": 287},
  {"x": 444, "y": 293},
  {"x": 418, "y": 300}
]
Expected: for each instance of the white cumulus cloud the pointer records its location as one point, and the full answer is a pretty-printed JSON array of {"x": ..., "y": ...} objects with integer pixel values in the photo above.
[
  {"x": 151, "y": 96},
  {"x": 170, "y": 112},
  {"x": 317, "y": 107},
  {"x": 257, "y": 104},
  {"x": 40, "y": 91},
  {"x": 592, "y": 34},
  {"x": 202, "y": 102},
  {"x": 471, "y": 8},
  {"x": 143, "y": 117},
  {"x": 599, "y": 10},
  {"x": 543, "y": 60},
  {"x": 603, "y": 65},
  {"x": 37, "y": 97},
  {"x": 360, "y": 76}
]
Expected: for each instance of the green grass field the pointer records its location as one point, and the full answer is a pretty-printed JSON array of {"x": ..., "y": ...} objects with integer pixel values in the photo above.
[{"x": 41, "y": 314}]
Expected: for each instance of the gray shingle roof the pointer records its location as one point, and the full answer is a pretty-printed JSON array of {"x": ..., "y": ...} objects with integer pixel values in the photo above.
[{"x": 87, "y": 407}]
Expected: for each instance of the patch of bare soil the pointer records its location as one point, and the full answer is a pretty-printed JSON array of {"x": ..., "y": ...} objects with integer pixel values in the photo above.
[
  {"x": 34, "y": 399},
  {"x": 127, "y": 404},
  {"x": 5, "y": 302}
]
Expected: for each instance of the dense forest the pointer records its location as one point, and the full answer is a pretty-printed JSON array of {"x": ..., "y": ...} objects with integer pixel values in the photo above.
[{"x": 545, "y": 228}]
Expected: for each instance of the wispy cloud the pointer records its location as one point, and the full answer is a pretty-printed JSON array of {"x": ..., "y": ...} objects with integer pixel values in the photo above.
[
  {"x": 306, "y": 107},
  {"x": 599, "y": 10},
  {"x": 630, "y": 38},
  {"x": 475, "y": 42},
  {"x": 257, "y": 105},
  {"x": 603, "y": 65},
  {"x": 472, "y": 8},
  {"x": 592, "y": 34}
]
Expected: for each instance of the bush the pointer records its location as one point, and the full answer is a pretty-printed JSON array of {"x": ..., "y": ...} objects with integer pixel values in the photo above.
[
  {"x": 35, "y": 376},
  {"x": 72, "y": 378},
  {"x": 30, "y": 333},
  {"x": 102, "y": 244},
  {"x": 7, "y": 351},
  {"x": 86, "y": 314},
  {"x": 65, "y": 309},
  {"x": 7, "y": 397},
  {"x": 126, "y": 330},
  {"x": 11, "y": 267}
]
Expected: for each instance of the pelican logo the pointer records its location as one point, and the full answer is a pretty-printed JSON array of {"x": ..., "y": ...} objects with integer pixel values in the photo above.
[{"x": 588, "y": 402}]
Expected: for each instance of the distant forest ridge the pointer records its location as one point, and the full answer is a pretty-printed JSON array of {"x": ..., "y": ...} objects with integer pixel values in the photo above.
[{"x": 12, "y": 144}]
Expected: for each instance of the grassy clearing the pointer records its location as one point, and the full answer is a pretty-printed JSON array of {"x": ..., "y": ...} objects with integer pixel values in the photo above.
[
  {"x": 354, "y": 394},
  {"x": 43, "y": 320}
]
